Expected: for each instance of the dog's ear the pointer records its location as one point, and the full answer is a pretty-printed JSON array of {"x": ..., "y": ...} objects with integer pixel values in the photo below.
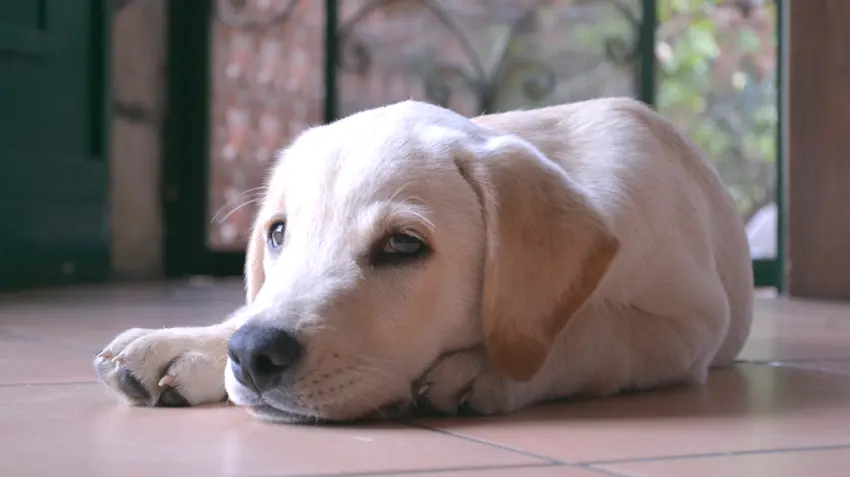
[
  {"x": 255, "y": 274},
  {"x": 547, "y": 250}
]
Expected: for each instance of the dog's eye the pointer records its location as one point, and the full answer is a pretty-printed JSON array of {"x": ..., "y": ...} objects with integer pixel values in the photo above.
[
  {"x": 276, "y": 234},
  {"x": 399, "y": 248},
  {"x": 402, "y": 243}
]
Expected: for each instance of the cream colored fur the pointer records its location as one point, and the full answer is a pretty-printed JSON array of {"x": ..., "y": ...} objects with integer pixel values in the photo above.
[{"x": 587, "y": 248}]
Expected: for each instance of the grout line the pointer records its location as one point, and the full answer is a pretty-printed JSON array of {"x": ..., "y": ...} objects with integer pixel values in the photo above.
[
  {"x": 486, "y": 442},
  {"x": 781, "y": 450},
  {"x": 812, "y": 365},
  {"x": 428, "y": 471},
  {"x": 791, "y": 361},
  {"x": 813, "y": 368},
  {"x": 454, "y": 470}
]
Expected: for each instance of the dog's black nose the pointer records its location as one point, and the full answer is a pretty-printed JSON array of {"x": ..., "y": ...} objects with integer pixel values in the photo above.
[{"x": 260, "y": 355}]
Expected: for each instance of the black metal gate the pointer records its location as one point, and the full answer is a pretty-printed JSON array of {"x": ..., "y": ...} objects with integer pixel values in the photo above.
[{"x": 348, "y": 53}]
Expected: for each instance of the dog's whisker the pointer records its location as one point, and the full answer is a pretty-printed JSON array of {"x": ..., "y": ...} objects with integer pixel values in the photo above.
[
  {"x": 234, "y": 210},
  {"x": 254, "y": 194},
  {"x": 399, "y": 191},
  {"x": 428, "y": 223},
  {"x": 373, "y": 395},
  {"x": 378, "y": 361},
  {"x": 376, "y": 370},
  {"x": 255, "y": 189}
]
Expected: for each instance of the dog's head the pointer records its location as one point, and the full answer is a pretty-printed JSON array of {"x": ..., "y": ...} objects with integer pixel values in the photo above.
[{"x": 396, "y": 235}]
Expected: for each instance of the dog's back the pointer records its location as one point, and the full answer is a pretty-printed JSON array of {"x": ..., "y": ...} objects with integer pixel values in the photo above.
[{"x": 660, "y": 195}]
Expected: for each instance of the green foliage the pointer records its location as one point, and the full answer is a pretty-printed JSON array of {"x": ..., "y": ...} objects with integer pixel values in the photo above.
[
  {"x": 710, "y": 87},
  {"x": 711, "y": 78}
]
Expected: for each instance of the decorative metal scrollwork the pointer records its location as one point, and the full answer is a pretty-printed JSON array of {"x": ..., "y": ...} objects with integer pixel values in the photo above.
[
  {"x": 536, "y": 78},
  {"x": 620, "y": 50},
  {"x": 440, "y": 79}
]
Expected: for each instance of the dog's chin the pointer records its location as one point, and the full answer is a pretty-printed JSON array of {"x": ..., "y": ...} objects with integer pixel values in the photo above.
[{"x": 267, "y": 411}]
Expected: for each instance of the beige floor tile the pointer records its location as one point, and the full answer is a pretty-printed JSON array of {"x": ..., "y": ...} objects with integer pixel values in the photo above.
[
  {"x": 818, "y": 463},
  {"x": 87, "y": 318},
  {"x": 30, "y": 362},
  {"x": 751, "y": 407},
  {"x": 80, "y": 430},
  {"x": 795, "y": 329},
  {"x": 55, "y": 420}
]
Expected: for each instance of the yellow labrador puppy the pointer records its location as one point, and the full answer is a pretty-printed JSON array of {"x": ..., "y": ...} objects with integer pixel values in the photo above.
[{"x": 409, "y": 256}]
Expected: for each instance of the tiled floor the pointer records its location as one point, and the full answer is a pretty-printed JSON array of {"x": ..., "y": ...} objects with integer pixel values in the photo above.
[{"x": 785, "y": 411}]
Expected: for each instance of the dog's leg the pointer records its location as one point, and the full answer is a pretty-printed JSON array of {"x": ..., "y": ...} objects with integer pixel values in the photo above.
[
  {"x": 606, "y": 350},
  {"x": 463, "y": 380},
  {"x": 170, "y": 366}
]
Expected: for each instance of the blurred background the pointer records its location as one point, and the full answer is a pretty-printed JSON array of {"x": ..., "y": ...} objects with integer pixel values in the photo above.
[{"x": 135, "y": 131}]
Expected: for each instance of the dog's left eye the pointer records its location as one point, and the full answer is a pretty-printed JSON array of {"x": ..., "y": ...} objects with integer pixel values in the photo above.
[{"x": 398, "y": 248}]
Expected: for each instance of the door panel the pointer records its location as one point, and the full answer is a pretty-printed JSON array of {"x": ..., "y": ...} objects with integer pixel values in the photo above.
[{"x": 53, "y": 176}]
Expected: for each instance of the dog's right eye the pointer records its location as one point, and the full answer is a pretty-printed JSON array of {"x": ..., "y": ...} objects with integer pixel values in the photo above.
[
  {"x": 398, "y": 249},
  {"x": 276, "y": 234}
]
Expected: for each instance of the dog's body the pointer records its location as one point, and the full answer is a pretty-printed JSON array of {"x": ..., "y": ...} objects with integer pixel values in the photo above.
[{"x": 580, "y": 249}]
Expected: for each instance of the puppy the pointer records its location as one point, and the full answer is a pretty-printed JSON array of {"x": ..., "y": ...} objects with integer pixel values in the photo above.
[{"x": 407, "y": 255}]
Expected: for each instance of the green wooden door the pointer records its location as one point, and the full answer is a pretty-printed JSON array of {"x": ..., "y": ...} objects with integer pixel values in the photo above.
[{"x": 53, "y": 167}]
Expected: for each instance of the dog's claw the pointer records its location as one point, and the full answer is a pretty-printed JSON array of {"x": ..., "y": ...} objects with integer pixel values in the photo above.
[
  {"x": 105, "y": 355},
  {"x": 423, "y": 389},
  {"x": 166, "y": 381}
]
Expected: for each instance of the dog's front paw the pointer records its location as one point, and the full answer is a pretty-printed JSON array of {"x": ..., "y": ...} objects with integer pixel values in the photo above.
[
  {"x": 165, "y": 367},
  {"x": 463, "y": 383}
]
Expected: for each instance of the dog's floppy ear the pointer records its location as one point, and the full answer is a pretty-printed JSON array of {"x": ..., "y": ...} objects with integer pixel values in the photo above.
[
  {"x": 547, "y": 250},
  {"x": 255, "y": 274}
]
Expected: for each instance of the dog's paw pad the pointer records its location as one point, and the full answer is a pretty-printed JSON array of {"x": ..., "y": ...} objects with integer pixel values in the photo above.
[
  {"x": 170, "y": 397},
  {"x": 131, "y": 387}
]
